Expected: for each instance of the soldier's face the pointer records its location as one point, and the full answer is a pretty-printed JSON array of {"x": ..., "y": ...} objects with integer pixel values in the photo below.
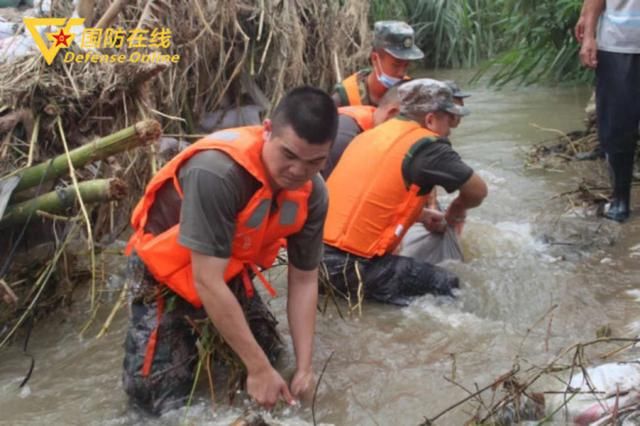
[
  {"x": 290, "y": 160},
  {"x": 391, "y": 66}
]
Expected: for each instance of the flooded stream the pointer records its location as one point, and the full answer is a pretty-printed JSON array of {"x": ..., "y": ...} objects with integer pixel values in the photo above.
[{"x": 388, "y": 366}]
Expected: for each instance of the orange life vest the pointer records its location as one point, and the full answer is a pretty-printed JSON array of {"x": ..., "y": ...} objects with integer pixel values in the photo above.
[
  {"x": 258, "y": 234},
  {"x": 352, "y": 89},
  {"x": 371, "y": 206},
  {"x": 362, "y": 114}
]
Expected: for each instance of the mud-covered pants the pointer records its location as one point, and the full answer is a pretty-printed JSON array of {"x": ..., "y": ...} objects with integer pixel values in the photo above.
[
  {"x": 387, "y": 279},
  {"x": 169, "y": 381}
]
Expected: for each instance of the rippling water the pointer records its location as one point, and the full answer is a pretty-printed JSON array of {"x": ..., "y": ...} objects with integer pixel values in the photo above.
[{"x": 389, "y": 365}]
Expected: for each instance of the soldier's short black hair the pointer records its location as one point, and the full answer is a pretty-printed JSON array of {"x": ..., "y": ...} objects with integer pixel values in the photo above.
[{"x": 310, "y": 112}]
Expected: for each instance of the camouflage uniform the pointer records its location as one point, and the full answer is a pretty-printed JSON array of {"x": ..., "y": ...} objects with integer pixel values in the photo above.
[
  {"x": 172, "y": 372},
  {"x": 387, "y": 279}
]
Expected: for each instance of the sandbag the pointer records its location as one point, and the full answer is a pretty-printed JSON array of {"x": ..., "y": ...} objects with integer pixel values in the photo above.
[
  {"x": 616, "y": 387},
  {"x": 609, "y": 396},
  {"x": 433, "y": 248}
]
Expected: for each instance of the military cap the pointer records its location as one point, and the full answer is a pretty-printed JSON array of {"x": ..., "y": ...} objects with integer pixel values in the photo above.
[
  {"x": 421, "y": 96},
  {"x": 397, "y": 39}
]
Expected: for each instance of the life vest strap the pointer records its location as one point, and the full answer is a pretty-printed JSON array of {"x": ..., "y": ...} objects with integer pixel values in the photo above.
[
  {"x": 267, "y": 285},
  {"x": 246, "y": 280},
  {"x": 153, "y": 339}
]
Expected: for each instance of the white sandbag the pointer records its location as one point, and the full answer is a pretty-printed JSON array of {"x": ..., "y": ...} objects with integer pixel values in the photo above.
[
  {"x": 7, "y": 28},
  {"x": 614, "y": 386},
  {"x": 433, "y": 248}
]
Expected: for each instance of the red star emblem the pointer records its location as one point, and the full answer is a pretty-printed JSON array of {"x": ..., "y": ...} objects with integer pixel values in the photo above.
[{"x": 61, "y": 39}]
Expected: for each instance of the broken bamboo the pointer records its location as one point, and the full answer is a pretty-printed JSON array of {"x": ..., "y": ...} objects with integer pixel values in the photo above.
[
  {"x": 93, "y": 191},
  {"x": 141, "y": 133}
]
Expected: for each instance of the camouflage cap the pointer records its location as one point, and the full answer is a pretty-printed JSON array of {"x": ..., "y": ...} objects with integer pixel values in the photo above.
[
  {"x": 421, "y": 96},
  {"x": 455, "y": 89},
  {"x": 397, "y": 39}
]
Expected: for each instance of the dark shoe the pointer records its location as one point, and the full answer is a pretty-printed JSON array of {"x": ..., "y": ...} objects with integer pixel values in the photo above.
[
  {"x": 620, "y": 171},
  {"x": 618, "y": 210},
  {"x": 590, "y": 155}
]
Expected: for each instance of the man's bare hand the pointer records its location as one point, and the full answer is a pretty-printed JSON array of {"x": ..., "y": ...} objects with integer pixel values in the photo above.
[
  {"x": 433, "y": 220},
  {"x": 266, "y": 386},
  {"x": 455, "y": 220},
  {"x": 588, "y": 52},
  {"x": 302, "y": 385}
]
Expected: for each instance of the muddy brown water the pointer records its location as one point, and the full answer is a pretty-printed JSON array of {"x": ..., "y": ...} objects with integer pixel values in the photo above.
[{"x": 524, "y": 252}]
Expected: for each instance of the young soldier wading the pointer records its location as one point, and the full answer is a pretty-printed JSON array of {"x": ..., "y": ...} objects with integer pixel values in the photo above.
[{"x": 208, "y": 220}]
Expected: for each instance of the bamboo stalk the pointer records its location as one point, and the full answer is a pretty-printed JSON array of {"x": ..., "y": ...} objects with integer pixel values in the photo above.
[
  {"x": 141, "y": 133},
  {"x": 98, "y": 190}
]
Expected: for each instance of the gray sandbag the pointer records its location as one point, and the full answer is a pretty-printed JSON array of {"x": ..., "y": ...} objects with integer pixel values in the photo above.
[{"x": 426, "y": 246}]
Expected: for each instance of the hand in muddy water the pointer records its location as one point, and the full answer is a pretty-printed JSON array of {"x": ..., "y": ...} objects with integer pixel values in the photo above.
[
  {"x": 302, "y": 385},
  {"x": 266, "y": 387}
]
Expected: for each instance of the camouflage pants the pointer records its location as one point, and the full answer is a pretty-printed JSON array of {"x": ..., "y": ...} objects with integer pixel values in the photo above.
[
  {"x": 387, "y": 279},
  {"x": 169, "y": 382}
]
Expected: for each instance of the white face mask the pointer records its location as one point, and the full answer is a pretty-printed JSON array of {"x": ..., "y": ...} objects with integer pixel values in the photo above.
[{"x": 384, "y": 79}]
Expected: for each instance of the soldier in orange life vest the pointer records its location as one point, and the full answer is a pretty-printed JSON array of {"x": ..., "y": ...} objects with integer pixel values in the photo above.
[
  {"x": 420, "y": 243},
  {"x": 353, "y": 120},
  {"x": 380, "y": 188},
  {"x": 393, "y": 49},
  {"x": 209, "y": 220}
]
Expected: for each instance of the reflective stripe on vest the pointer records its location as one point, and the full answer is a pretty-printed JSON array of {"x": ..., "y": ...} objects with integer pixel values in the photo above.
[
  {"x": 362, "y": 114},
  {"x": 259, "y": 233},
  {"x": 371, "y": 206}
]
